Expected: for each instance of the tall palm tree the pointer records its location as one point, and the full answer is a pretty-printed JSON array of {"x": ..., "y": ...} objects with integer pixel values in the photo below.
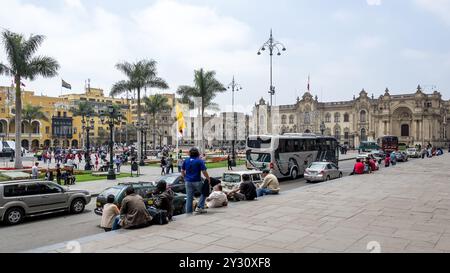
[
  {"x": 206, "y": 87},
  {"x": 142, "y": 74},
  {"x": 154, "y": 105},
  {"x": 23, "y": 64},
  {"x": 30, "y": 113}
]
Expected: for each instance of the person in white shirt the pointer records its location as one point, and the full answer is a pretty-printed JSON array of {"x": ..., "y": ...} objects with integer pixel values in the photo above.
[
  {"x": 217, "y": 199},
  {"x": 35, "y": 171}
]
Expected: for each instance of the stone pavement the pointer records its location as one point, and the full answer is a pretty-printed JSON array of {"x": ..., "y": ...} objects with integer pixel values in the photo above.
[{"x": 400, "y": 209}]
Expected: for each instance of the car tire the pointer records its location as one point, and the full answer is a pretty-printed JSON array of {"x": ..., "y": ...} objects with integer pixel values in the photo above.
[
  {"x": 328, "y": 178},
  {"x": 14, "y": 216},
  {"x": 77, "y": 206},
  {"x": 294, "y": 173},
  {"x": 340, "y": 175}
]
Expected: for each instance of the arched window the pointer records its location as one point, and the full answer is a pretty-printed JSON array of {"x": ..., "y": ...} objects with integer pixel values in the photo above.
[
  {"x": 283, "y": 119},
  {"x": 337, "y": 117},
  {"x": 363, "y": 116},
  {"x": 346, "y": 117},
  {"x": 291, "y": 119},
  {"x": 363, "y": 135},
  {"x": 328, "y": 118},
  {"x": 405, "y": 130},
  {"x": 2, "y": 127},
  {"x": 337, "y": 133},
  {"x": 307, "y": 118}
]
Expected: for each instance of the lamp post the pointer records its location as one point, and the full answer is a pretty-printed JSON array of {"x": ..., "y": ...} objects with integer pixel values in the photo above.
[
  {"x": 234, "y": 86},
  {"x": 272, "y": 46},
  {"x": 87, "y": 126},
  {"x": 113, "y": 117},
  {"x": 322, "y": 127},
  {"x": 143, "y": 127}
]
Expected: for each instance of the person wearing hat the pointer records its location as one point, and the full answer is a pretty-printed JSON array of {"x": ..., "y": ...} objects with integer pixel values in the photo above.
[
  {"x": 192, "y": 170},
  {"x": 270, "y": 184}
]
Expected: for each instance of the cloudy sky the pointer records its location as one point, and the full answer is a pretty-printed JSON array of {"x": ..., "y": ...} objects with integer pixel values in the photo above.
[{"x": 344, "y": 45}]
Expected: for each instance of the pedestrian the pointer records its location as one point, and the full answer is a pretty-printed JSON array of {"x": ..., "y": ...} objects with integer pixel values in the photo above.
[
  {"x": 359, "y": 167},
  {"x": 270, "y": 184},
  {"x": 35, "y": 171},
  {"x": 169, "y": 164},
  {"x": 230, "y": 167},
  {"x": 163, "y": 165},
  {"x": 96, "y": 162},
  {"x": 180, "y": 163},
  {"x": 133, "y": 212},
  {"x": 387, "y": 161},
  {"x": 118, "y": 162},
  {"x": 192, "y": 169},
  {"x": 49, "y": 175},
  {"x": 58, "y": 174},
  {"x": 110, "y": 212},
  {"x": 393, "y": 158}
]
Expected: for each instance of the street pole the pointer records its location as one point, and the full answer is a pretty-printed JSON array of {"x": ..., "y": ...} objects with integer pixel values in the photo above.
[
  {"x": 271, "y": 45},
  {"x": 234, "y": 87}
]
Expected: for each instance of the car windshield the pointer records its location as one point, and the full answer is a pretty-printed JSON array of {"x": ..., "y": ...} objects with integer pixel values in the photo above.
[
  {"x": 168, "y": 179},
  {"x": 111, "y": 191},
  {"x": 317, "y": 166},
  {"x": 231, "y": 178}
]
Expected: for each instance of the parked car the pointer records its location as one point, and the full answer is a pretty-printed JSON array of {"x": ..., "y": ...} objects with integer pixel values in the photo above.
[
  {"x": 20, "y": 199},
  {"x": 232, "y": 179},
  {"x": 322, "y": 171},
  {"x": 412, "y": 153},
  {"x": 144, "y": 189},
  {"x": 175, "y": 182},
  {"x": 401, "y": 156}
]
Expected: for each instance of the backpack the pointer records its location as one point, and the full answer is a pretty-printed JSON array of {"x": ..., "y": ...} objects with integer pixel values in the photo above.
[{"x": 159, "y": 217}]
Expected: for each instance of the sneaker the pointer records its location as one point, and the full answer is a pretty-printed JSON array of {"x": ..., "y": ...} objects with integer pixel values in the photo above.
[{"x": 200, "y": 211}]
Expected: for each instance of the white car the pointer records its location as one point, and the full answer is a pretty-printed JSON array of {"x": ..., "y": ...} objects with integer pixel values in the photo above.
[
  {"x": 232, "y": 180},
  {"x": 412, "y": 152}
]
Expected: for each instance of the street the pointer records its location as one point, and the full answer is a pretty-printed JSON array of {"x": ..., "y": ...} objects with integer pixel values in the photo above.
[{"x": 55, "y": 228}]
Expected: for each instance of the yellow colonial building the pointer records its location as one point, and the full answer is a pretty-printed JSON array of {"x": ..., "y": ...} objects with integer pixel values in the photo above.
[{"x": 60, "y": 128}]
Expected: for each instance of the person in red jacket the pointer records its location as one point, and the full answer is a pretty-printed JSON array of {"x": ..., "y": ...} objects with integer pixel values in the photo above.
[
  {"x": 373, "y": 165},
  {"x": 359, "y": 167}
]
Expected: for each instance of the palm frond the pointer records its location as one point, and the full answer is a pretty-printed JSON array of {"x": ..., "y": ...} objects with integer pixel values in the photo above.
[
  {"x": 31, "y": 45},
  {"x": 119, "y": 88},
  {"x": 42, "y": 65},
  {"x": 4, "y": 70},
  {"x": 12, "y": 44}
]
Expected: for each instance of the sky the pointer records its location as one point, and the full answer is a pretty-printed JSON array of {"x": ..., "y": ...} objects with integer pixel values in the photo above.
[{"x": 344, "y": 45}]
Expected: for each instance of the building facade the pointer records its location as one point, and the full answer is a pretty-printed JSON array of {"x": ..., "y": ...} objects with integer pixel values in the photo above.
[{"x": 416, "y": 118}]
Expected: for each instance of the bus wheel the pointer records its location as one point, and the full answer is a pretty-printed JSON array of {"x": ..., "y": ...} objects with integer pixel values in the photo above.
[{"x": 294, "y": 174}]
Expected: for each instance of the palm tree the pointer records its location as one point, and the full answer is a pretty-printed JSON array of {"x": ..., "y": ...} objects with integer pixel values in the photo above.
[
  {"x": 206, "y": 87},
  {"x": 142, "y": 74},
  {"x": 30, "y": 113},
  {"x": 23, "y": 64},
  {"x": 154, "y": 105}
]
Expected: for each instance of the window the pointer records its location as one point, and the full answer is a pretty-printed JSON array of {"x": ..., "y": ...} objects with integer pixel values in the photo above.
[
  {"x": 346, "y": 117},
  {"x": 346, "y": 135},
  {"x": 337, "y": 117},
  {"x": 291, "y": 119},
  {"x": 65, "y": 114},
  {"x": 59, "y": 114},
  {"x": 363, "y": 116},
  {"x": 405, "y": 130},
  {"x": 337, "y": 133},
  {"x": 283, "y": 119},
  {"x": 363, "y": 135},
  {"x": 307, "y": 118},
  {"x": 3, "y": 110},
  {"x": 328, "y": 118}
]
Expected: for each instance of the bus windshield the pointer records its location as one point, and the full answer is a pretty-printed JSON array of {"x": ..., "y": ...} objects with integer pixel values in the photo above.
[
  {"x": 259, "y": 142},
  {"x": 257, "y": 157}
]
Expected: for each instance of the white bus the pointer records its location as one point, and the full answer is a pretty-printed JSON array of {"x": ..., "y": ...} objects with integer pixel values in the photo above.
[{"x": 289, "y": 155}]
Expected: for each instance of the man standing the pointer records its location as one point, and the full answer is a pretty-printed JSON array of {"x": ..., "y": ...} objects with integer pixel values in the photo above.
[
  {"x": 169, "y": 164},
  {"x": 230, "y": 167},
  {"x": 192, "y": 169},
  {"x": 270, "y": 184},
  {"x": 35, "y": 171}
]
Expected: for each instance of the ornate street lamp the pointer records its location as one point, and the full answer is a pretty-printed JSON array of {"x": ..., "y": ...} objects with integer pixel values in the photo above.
[
  {"x": 113, "y": 117},
  {"x": 272, "y": 46},
  {"x": 143, "y": 128},
  {"x": 87, "y": 126},
  {"x": 234, "y": 86}
]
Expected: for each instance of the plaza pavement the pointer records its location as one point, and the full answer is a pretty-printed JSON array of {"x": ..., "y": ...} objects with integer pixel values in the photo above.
[{"x": 401, "y": 209}]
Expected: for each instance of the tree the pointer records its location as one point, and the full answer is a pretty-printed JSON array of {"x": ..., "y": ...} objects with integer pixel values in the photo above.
[
  {"x": 154, "y": 105},
  {"x": 206, "y": 87},
  {"x": 30, "y": 113},
  {"x": 23, "y": 64},
  {"x": 142, "y": 74}
]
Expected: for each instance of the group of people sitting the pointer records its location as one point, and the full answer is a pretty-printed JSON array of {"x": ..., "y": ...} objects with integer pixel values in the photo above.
[
  {"x": 134, "y": 213},
  {"x": 369, "y": 165}
]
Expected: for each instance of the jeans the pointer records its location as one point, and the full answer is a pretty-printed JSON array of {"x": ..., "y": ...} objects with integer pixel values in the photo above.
[
  {"x": 116, "y": 225},
  {"x": 191, "y": 188},
  {"x": 262, "y": 192}
]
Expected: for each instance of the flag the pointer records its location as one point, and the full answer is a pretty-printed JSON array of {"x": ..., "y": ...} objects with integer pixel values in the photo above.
[
  {"x": 66, "y": 85},
  {"x": 181, "y": 124},
  {"x": 309, "y": 86}
]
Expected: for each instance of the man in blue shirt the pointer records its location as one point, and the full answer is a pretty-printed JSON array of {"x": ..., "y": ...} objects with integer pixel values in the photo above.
[{"x": 192, "y": 169}]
